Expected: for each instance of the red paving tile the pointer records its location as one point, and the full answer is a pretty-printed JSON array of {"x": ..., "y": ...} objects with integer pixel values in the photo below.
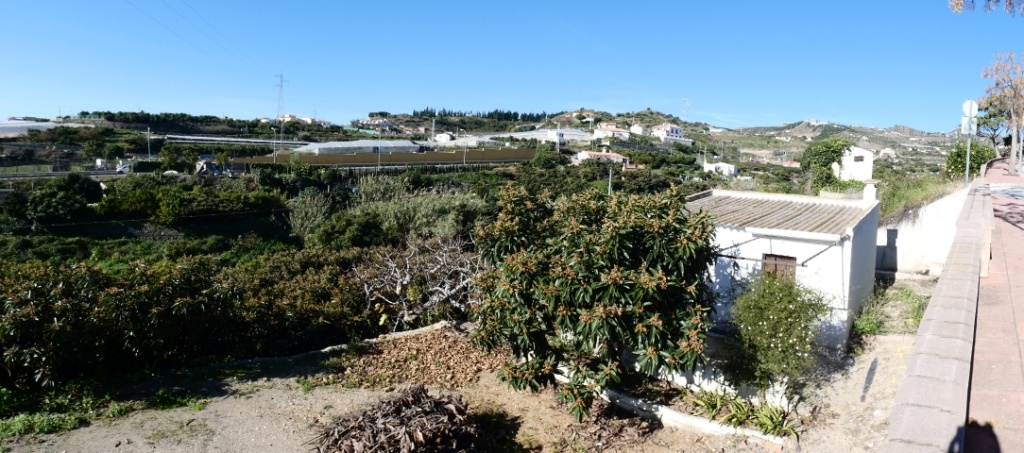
[{"x": 997, "y": 374}]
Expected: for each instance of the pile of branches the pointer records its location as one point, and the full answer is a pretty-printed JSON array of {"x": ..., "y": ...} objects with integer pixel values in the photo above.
[{"x": 407, "y": 422}]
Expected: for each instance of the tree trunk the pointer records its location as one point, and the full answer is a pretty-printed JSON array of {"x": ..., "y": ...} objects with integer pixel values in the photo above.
[{"x": 1014, "y": 146}]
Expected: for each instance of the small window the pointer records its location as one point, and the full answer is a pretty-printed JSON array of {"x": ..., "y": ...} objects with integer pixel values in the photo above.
[
  {"x": 784, "y": 265},
  {"x": 858, "y": 158}
]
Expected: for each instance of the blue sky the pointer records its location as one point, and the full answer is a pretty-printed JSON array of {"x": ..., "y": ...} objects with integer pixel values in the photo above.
[{"x": 740, "y": 63}]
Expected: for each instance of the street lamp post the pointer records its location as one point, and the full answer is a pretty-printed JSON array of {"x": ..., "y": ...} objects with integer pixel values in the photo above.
[{"x": 969, "y": 126}]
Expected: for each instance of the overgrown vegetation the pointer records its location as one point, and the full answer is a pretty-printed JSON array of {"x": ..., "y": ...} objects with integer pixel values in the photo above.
[
  {"x": 777, "y": 322},
  {"x": 580, "y": 280}
]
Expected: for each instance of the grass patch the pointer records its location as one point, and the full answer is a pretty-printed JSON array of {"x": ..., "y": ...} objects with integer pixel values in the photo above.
[
  {"x": 173, "y": 398},
  {"x": 889, "y": 311},
  {"x": 901, "y": 197},
  {"x": 40, "y": 423}
]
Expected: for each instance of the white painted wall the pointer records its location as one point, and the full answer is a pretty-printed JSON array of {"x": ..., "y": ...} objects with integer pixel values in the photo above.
[
  {"x": 920, "y": 245},
  {"x": 843, "y": 273},
  {"x": 850, "y": 169}
]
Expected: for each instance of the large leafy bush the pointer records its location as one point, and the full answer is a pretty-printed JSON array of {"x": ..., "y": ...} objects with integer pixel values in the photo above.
[
  {"x": 777, "y": 321},
  {"x": 582, "y": 280}
]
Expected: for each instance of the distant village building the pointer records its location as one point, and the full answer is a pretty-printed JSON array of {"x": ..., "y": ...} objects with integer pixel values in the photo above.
[
  {"x": 582, "y": 156},
  {"x": 610, "y": 130},
  {"x": 721, "y": 168},
  {"x": 362, "y": 146},
  {"x": 286, "y": 118},
  {"x": 667, "y": 132},
  {"x": 444, "y": 137},
  {"x": 637, "y": 129}
]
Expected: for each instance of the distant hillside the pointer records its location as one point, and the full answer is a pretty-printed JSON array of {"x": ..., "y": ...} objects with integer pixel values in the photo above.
[{"x": 795, "y": 136}]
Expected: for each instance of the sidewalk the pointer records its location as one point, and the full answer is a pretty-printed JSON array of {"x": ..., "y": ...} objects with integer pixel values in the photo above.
[{"x": 997, "y": 374}]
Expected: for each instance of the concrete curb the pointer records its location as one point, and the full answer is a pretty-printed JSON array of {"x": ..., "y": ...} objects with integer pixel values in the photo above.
[
  {"x": 930, "y": 407},
  {"x": 672, "y": 418}
]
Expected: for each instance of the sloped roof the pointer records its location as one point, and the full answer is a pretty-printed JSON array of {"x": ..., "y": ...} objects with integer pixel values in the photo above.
[{"x": 781, "y": 211}]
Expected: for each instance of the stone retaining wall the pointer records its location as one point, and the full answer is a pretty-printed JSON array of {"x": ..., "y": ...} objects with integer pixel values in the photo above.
[{"x": 930, "y": 407}]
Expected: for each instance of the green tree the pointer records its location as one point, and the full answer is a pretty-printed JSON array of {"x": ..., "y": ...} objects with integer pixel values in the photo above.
[
  {"x": 308, "y": 211},
  {"x": 992, "y": 123},
  {"x": 579, "y": 281},
  {"x": 48, "y": 205},
  {"x": 955, "y": 161},
  {"x": 822, "y": 153}
]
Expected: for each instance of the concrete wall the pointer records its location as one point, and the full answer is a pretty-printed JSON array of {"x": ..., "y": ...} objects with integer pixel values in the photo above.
[
  {"x": 921, "y": 244},
  {"x": 930, "y": 406},
  {"x": 862, "y": 263},
  {"x": 843, "y": 272}
]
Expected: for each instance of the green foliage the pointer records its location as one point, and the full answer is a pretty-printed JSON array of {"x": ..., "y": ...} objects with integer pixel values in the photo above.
[
  {"x": 777, "y": 320},
  {"x": 39, "y": 423},
  {"x": 740, "y": 413},
  {"x": 581, "y": 280},
  {"x": 424, "y": 215},
  {"x": 903, "y": 194},
  {"x": 172, "y": 201},
  {"x": 956, "y": 159},
  {"x": 68, "y": 322},
  {"x": 823, "y": 152},
  {"x": 712, "y": 402},
  {"x": 775, "y": 421},
  {"x": 347, "y": 229},
  {"x": 48, "y": 205},
  {"x": 308, "y": 211}
]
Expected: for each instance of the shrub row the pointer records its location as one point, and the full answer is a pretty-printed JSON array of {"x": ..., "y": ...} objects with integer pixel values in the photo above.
[{"x": 63, "y": 323}]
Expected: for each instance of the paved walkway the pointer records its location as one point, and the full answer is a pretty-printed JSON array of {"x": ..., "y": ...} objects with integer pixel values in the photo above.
[{"x": 997, "y": 375}]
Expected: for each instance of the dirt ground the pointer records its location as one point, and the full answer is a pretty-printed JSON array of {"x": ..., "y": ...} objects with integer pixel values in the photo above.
[
  {"x": 276, "y": 414},
  {"x": 271, "y": 406}
]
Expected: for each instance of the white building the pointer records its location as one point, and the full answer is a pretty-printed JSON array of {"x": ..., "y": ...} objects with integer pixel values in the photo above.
[
  {"x": 610, "y": 130},
  {"x": 857, "y": 165},
  {"x": 444, "y": 137},
  {"x": 637, "y": 129},
  {"x": 667, "y": 132},
  {"x": 600, "y": 157},
  {"x": 554, "y": 137},
  {"x": 286, "y": 118},
  {"x": 827, "y": 245},
  {"x": 721, "y": 168},
  {"x": 361, "y": 146}
]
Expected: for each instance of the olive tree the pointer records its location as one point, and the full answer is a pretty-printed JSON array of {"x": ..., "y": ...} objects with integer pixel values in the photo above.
[{"x": 579, "y": 281}]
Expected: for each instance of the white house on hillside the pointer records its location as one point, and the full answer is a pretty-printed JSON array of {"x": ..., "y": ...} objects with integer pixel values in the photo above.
[
  {"x": 825, "y": 244},
  {"x": 721, "y": 168},
  {"x": 600, "y": 157},
  {"x": 610, "y": 130},
  {"x": 857, "y": 164},
  {"x": 667, "y": 132}
]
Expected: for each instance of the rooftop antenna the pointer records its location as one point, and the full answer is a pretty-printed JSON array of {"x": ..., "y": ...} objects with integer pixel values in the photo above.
[{"x": 686, "y": 110}]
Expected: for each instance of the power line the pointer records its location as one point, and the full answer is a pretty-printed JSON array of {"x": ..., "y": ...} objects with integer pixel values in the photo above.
[
  {"x": 228, "y": 40},
  {"x": 154, "y": 19}
]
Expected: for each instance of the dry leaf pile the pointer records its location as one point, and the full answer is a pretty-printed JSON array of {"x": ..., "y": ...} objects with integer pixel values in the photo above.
[
  {"x": 440, "y": 359},
  {"x": 407, "y": 422}
]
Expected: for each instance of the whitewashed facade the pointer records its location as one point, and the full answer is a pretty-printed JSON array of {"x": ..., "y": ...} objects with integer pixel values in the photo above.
[
  {"x": 829, "y": 245},
  {"x": 857, "y": 165}
]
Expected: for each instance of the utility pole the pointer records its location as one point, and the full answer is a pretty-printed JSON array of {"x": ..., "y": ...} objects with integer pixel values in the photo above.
[
  {"x": 280, "y": 107},
  {"x": 149, "y": 149},
  {"x": 609, "y": 181},
  {"x": 969, "y": 125}
]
